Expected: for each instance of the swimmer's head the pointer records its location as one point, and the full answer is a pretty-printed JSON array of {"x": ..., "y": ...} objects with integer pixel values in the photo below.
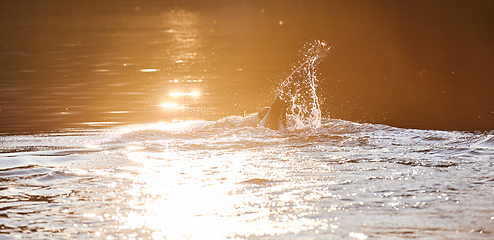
[{"x": 261, "y": 114}]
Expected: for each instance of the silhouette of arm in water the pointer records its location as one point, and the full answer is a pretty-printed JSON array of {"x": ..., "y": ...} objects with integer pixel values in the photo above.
[{"x": 274, "y": 117}]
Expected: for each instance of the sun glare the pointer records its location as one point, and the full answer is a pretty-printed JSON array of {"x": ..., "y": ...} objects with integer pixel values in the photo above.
[
  {"x": 170, "y": 105},
  {"x": 179, "y": 197},
  {"x": 178, "y": 206},
  {"x": 149, "y": 70}
]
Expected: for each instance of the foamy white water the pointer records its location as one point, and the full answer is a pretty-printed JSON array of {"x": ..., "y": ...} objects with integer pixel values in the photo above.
[{"x": 230, "y": 179}]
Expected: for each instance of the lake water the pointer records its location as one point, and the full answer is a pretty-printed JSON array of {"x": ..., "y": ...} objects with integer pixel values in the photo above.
[
  {"x": 131, "y": 120},
  {"x": 231, "y": 179}
]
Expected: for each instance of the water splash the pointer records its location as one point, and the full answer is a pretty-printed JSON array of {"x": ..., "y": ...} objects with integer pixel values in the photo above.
[{"x": 299, "y": 89}]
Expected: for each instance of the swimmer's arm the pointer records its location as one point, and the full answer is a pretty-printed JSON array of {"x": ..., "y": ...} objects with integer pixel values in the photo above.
[{"x": 275, "y": 118}]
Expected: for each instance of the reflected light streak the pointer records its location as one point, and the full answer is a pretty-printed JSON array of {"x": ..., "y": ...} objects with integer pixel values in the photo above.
[
  {"x": 149, "y": 70},
  {"x": 170, "y": 105},
  {"x": 178, "y": 94},
  {"x": 99, "y": 123},
  {"x": 188, "y": 80},
  {"x": 118, "y": 112},
  {"x": 186, "y": 37}
]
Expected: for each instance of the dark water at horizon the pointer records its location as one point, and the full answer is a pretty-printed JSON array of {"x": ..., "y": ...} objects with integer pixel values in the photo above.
[{"x": 136, "y": 120}]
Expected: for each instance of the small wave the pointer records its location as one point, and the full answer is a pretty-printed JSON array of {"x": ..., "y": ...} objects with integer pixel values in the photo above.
[
  {"x": 259, "y": 181},
  {"x": 436, "y": 163},
  {"x": 242, "y": 131},
  {"x": 66, "y": 152},
  {"x": 63, "y": 176},
  {"x": 39, "y": 175},
  {"x": 236, "y": 122},
  {"x": 23, "y": 172},
  {"x": 487, "y": 143},
  {"x": 18, "y": 149}
]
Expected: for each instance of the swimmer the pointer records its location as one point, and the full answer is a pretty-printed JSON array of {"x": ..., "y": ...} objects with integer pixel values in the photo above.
[{"x": 274, "y": 117}]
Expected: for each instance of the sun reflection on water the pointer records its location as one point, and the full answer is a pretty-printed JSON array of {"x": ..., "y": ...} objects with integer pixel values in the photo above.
[
  {"x": 180, "y": 94},
  {"x": 173, "y": 197},
  {"x": 170, "y": 105},
  {"x": 186, "y": 38},
  {"x": 185, "y": 59},
  {"x": 149, "y": 70},
  {"x": 181, "y": 190},
  {"x": 204, "y": 195}
]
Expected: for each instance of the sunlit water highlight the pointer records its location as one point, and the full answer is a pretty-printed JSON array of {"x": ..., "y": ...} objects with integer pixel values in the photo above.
[
  {"x": 86, "y": 72},
  {"x": 231, "y": 179}
]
